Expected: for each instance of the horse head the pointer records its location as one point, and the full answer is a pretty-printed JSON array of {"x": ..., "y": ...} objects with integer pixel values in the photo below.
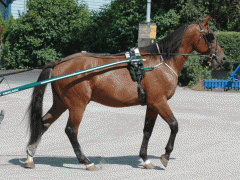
[{"x": 205, "y": 42}]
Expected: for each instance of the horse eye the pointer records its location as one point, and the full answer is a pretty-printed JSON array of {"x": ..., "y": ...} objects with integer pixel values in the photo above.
[{"x": 210, "y": 37}]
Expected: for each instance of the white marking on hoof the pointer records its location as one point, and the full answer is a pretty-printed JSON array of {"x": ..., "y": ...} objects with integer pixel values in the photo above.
[
  {"x": 147, "y": 162},
  {"x": 30, "y": 165},
  {"x": 29, "y": 158},
  {"x": 91, "y": 167},
  {"x": 148, "y": 165},
  {"x": 29, "y": 162}
]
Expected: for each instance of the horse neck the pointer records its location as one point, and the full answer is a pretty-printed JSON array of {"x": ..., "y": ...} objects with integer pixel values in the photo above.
[{"x": 177, "y": 62}]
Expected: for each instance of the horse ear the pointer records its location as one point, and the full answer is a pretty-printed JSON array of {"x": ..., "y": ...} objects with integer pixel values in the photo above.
[{"x": 205, "y": 21}]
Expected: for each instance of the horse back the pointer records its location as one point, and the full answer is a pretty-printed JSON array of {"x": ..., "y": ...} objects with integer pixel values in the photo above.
[{"x": 110, "y": 86}]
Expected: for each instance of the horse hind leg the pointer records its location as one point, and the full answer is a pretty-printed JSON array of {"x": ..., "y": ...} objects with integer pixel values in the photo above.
[
  {"x": 52, "y": 115},
  {"x": 75, "y": 117}
]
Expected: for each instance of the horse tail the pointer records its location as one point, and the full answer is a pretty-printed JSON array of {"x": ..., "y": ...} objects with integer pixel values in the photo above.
[{"x": 35, "y": 111}]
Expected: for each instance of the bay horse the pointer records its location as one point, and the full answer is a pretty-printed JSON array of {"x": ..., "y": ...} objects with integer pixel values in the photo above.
[{"x": 114, "y": 87}]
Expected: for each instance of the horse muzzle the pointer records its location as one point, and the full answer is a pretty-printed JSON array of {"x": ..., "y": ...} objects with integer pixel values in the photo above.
[{"x": 217, "y": 62}]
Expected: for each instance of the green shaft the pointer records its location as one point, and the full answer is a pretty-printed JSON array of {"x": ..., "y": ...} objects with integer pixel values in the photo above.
[{"x": 27, "y": 86}]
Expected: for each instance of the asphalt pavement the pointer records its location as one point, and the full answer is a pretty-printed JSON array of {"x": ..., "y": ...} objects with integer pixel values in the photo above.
[{"x": 207, "y": 144}]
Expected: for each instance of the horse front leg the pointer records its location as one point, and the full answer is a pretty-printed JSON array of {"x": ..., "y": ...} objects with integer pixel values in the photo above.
[
  {"x": 166, "y": 113},
  {"x": 151, "y": 116}
]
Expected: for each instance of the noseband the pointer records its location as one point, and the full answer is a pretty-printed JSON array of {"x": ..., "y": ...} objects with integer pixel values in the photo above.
[{"x": 209, "y": 38}]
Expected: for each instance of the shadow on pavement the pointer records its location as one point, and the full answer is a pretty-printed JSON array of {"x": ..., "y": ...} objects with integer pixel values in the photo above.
[{"x": 133, "y": 161}]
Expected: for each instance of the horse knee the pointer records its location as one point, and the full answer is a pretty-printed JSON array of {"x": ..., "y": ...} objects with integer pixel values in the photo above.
[
  {"x": 146, "y": 135},
  {"x": 70, "y": 131}
]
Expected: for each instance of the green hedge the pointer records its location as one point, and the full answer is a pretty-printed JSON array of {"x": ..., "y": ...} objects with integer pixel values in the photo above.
[{"x": 230, "y": 43}]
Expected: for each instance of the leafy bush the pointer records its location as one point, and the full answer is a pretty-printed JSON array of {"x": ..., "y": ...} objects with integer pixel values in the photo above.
[
  {"x": 4, "y": 24},
  {"x": 195, "y": 70},
  {"x": 49, "y": 30}
]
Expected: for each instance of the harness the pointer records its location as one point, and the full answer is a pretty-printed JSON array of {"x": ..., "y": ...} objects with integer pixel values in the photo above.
[
  {"x": 137, "y": 72},
  {"x": 163, "y": 62}
]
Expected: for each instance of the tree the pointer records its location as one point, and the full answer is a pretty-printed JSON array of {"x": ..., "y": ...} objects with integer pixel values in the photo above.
[
  {"x": 226, "y": 14},
  {"x": 115, "y": 28}
]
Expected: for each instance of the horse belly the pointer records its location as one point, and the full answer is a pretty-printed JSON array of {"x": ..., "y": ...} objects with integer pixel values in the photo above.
[{"x": 115, "y": 90}]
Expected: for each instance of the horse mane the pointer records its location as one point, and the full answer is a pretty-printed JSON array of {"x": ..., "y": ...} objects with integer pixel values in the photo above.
[{"x": 169, "y": 45}]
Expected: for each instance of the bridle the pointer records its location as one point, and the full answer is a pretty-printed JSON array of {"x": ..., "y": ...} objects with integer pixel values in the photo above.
[{"x": 208, "y": 39}]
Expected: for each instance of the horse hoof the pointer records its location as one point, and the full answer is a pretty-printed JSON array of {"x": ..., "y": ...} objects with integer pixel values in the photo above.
[
  {"x": 92, "y": 167},
  {"x": 30, "y": 165},
  {"x": 148, "y": 166},
  {"x": 164, "y": 160}
]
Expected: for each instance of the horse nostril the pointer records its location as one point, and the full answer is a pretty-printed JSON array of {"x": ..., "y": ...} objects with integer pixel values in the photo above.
[{"x": 224, "y": 58}]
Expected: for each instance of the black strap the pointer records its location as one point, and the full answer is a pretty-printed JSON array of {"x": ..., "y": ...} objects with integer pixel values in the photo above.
[{"x": 137, "y": 70}]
